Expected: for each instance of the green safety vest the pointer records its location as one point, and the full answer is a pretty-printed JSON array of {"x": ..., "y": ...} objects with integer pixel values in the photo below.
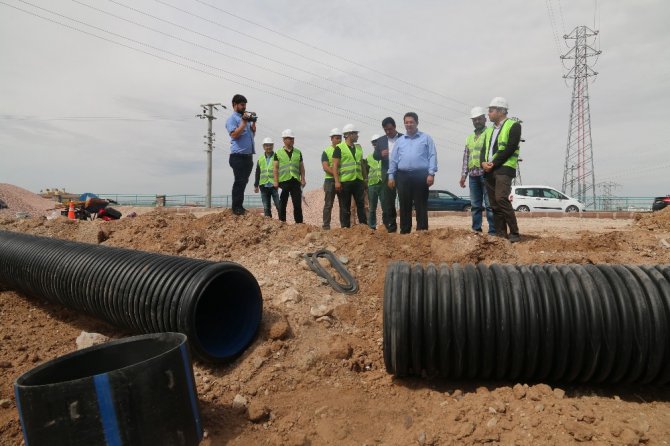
[
  {"x": 503, "y": 138},
  {"x": 288, "y": 167},
  {"x": 266, "y": 170},
  {"x": 350, "y": 166},
  {"x": 329, "y": 153},
  {"x": 475, "y": 145},
  {"x": 375, "y": 171}
]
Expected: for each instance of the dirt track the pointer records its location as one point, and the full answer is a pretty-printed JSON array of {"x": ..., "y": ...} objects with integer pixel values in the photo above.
[{"x": 309, "y": 382}]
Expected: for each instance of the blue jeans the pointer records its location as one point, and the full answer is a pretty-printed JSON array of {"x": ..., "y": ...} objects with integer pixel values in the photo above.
[
  {"x": 478, "y": 196},
  {"x": 266, "y": 194},
  {"x": 374, "y": 193}
]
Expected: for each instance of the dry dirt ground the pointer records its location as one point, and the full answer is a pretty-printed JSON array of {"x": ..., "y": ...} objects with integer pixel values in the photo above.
[{"x": 308, "y": 382}]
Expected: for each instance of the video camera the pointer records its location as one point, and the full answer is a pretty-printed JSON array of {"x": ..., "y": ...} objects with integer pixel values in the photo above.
[{"x": 250, "y": 116}]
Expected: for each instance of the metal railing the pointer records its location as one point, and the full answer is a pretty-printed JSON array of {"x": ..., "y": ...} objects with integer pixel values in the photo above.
[{"x": 614, "y": 204}]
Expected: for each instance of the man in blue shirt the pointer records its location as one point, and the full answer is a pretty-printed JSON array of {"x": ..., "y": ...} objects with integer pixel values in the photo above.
[
  {"x": 412, "y": 167},
  {"x": 241, "y": 127}
]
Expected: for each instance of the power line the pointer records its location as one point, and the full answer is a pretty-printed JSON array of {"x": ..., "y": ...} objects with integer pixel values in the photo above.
[
  {"x": 552, "y": 23},
  {"x": 91, "y": 118},
  {"x": 261, "y": 67},
  {"x": 189, "y": 59},
  {"x": 184, "y": 65},
  {"x": 301, "y": 55},
  {"x": 329, "y": 53},
  {"x": 247, "y": 85}
]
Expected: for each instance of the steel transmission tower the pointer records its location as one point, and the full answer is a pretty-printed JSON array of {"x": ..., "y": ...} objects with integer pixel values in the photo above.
[{"x": 579, "y": 152}]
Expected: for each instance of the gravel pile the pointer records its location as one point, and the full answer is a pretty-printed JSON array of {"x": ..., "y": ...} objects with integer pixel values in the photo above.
[{"x": 19, "y": 200}]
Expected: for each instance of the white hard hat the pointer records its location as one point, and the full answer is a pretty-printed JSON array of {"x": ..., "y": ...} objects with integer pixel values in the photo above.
[
  {"x": 335, "y": 132},
  {"x": 476, "y": 112},
  {"x": 288, "y": 133},
  {"x": 499, "y": 102},
  {"x": 349, "y": 128},
  {"x": 375, "y": 137},
  {"x": 268, "y": 141}
]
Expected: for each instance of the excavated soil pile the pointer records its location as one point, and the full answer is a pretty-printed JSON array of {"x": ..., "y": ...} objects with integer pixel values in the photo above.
[
  {"x": 315, "y": 375},
  {"x": 19, "y": 200}
]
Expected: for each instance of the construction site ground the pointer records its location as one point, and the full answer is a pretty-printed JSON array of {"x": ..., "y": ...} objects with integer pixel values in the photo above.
[{"x": 305, "y": 381}]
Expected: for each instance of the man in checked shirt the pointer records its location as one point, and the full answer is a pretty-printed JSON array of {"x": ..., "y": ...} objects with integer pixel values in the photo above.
[{"x": 472, "y": 168}]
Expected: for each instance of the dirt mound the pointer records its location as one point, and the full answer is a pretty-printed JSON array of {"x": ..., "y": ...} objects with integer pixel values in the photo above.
[
  {"x": 655, "y": 221},
  {"x": 18, "y": 199},
  {"x": 321, "y": 380}
]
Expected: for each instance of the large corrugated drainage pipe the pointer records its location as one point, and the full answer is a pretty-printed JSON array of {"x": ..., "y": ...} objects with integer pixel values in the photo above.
[
  {"x": 217, "y": 305},
  {"x": 553, "y": 323},
  {"x": 133, "y": 391}
]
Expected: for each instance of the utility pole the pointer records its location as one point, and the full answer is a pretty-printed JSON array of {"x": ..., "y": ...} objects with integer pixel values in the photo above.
[
  {"x": 579, "y": 151},
  {"x": 208, "y": 113}
]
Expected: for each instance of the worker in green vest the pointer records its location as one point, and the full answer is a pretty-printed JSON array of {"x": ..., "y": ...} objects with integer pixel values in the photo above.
[
  {"x": 374, "y": 169},
  {"x": 348, "y": 174},
  {"x": 289, "y": 175},
  {"x": 265, "y": 178},
  {"x": 500, "y": 159},
  {"x": 329, "y": 181},
  {"x": 472, "y": 168}
]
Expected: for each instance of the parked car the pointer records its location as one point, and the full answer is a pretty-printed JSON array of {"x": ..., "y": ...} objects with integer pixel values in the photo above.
[
  {"x": 543, "y": 198},
  {"x": 442, "y": 200},
  {"x": 660, "y": 203}
]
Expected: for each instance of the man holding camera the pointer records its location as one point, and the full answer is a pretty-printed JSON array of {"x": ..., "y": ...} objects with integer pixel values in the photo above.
[{"x": 241, "y": 127}]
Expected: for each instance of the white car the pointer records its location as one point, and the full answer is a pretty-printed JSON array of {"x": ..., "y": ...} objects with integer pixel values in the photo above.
[{"x": 542, "y": 198}]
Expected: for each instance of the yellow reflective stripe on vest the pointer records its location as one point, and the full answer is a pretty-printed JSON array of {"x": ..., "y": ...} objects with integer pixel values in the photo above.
[
  {"x": 375, "y": 171},
  {"x": 266, "y": 170},
  {"x": 475, "y": 145},
  {"x": 329, "y": 153},
  {"x": 350, "y": 166},
  {"x": 503, "y": 139},
  {"x": 288, "y": 167}
]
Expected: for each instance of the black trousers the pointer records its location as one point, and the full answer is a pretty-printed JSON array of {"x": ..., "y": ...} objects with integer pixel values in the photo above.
[
  {"x": 242, "y": 166},
  {"x": 412, "y": 193},
  {"x": 499, "y": 188},
  {"x": 328, "y": 200},
  {"x": 350, "y": 189},
  {"x": 293, "y": 188},
  {"x": 388, "y": 197}
]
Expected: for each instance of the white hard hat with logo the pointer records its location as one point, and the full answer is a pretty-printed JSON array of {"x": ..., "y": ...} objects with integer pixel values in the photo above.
[
  {"x": 476, "y": 112},
  {"x": 375, "y": 137},
  {"x": 288, "y": 133},
  {"x": 499, "y": 102},
  {"x": 268, "y": 141},
  {"x": 349, "y": 128},
  {"x": 335, "y": 132}
]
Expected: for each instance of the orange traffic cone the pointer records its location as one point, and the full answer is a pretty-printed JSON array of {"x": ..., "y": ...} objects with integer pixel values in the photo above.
[{"x": 70, "y": 212}]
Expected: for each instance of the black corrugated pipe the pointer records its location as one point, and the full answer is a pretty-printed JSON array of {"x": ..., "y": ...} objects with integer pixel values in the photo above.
[
  {"x": 553, "y": 323},
  {"x": 217, "y": 305}
]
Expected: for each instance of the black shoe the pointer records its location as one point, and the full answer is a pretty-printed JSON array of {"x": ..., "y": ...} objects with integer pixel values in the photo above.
[
  {"x": 239, "y": 211},
  {"x": 478, "y": 230},
  {"x": 392, "y": 229},
  {"x": 514, "y": 238}
]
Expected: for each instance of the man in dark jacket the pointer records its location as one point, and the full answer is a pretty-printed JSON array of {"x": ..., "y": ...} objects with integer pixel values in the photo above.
[
  {"x": 500, "y": 159},
  {"x": 382, "y": 153}
]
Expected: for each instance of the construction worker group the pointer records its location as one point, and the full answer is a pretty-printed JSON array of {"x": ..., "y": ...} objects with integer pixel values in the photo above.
[{"x": 400, "y": 165}]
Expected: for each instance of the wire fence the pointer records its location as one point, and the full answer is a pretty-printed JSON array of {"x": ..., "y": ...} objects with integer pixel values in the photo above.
[{"x": 603, "y": 203}]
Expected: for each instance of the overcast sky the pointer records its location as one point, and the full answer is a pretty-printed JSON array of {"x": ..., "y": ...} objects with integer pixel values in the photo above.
[{"x": 116, "y": 113}]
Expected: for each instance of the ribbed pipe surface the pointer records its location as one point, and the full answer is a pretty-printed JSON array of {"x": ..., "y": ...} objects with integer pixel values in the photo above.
[
  {"x": 553, "y": 323},
  {"x": 217, "y": 305}
]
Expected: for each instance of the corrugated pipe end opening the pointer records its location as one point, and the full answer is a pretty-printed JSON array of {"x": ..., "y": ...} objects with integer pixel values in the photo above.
[{"x": 227, "y": 314}]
